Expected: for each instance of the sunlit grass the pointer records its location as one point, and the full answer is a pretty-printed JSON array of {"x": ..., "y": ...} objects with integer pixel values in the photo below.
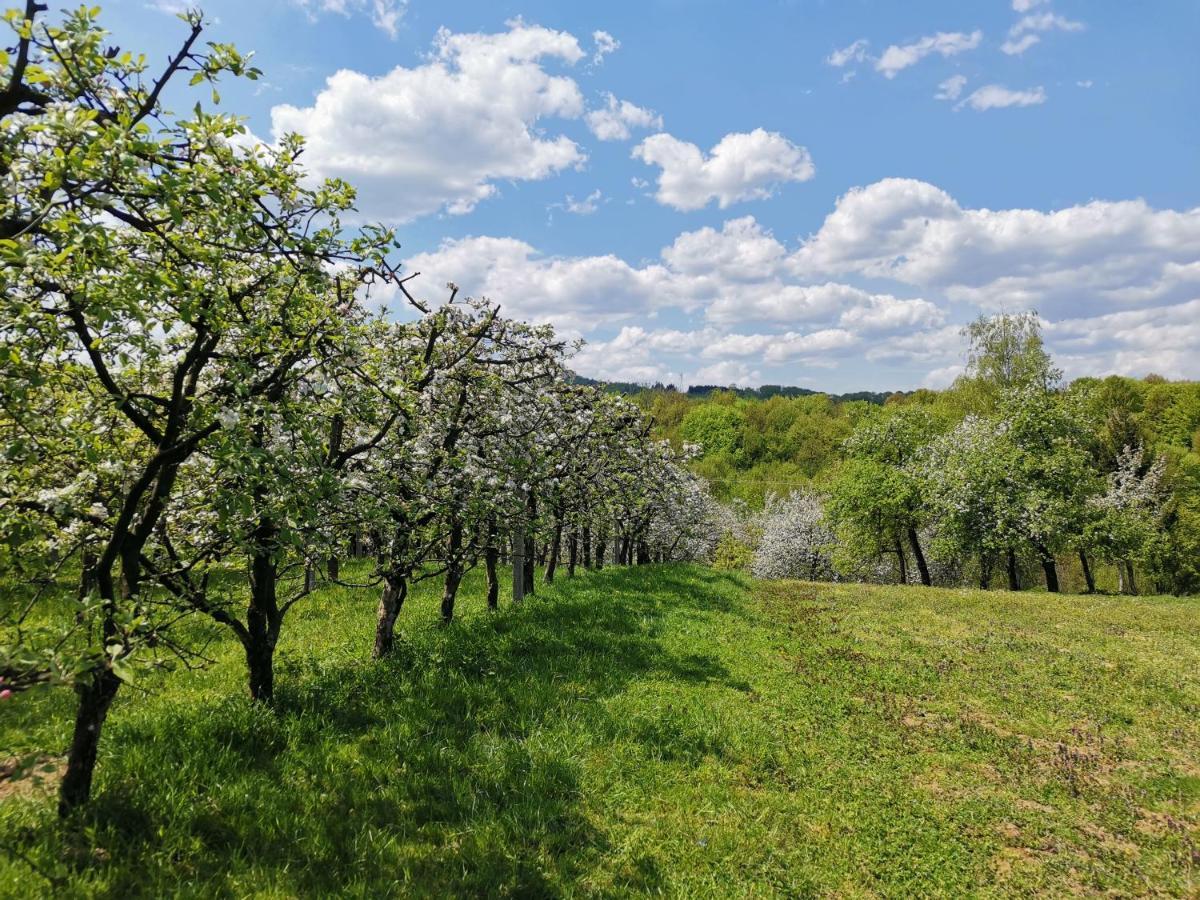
[{"x": 659, "y": 729}]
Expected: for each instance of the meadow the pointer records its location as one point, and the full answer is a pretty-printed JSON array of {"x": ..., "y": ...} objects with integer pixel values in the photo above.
[{"x": 658, "y": 729}]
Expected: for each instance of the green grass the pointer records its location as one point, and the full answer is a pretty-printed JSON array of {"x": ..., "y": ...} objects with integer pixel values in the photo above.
[{"x": 662, "y": 730}]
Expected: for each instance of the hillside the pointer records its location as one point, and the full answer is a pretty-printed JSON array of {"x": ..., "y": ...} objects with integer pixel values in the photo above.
[{"x": 657, "y": 728}]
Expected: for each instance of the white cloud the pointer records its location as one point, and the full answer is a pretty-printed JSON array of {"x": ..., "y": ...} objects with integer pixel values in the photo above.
[
  {"x": 605, "y": 44},
  {"x": 1084, "y": 84},
  {"x": 997, "y": 96},
  {"x": 856, "y": 52},
  {"x": 438, "y": 136},
  {"x": 616, "y": 120},
  {"x": 584, "y": 207},
  {"x": 897, "y": 57},
  {"x": 1022, "y": 35},
  {"x": 882, "y": 286},
  {"x": 951, "y": 88},
  {"x": 1017, "y": 46},
  {"x": 1026, "y": 5},
  {"x": 1110, "y": 255},
  {"x": 385, "y": 14},
  {"x": 740, "y": 167}
]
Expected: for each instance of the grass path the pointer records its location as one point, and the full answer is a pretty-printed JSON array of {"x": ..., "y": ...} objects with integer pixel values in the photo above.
[{"x": 668, "y": 730}]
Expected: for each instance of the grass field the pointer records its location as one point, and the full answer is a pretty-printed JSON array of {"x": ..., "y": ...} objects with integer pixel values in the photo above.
[{"x": 668, "y": 730}]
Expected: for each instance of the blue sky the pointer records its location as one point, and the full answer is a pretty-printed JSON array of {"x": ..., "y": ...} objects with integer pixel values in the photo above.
[{"x": 812, "y": 193}]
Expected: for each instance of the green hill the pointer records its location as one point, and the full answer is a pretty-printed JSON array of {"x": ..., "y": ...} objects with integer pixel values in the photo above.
[{"x": 659, "y": 729}]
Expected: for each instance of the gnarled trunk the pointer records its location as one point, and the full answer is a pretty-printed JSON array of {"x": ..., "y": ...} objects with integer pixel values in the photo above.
[
  {"x": 395, "y": 589},
  {"x": 95, "y": 694},
  {"x": 262, "y": 617}
]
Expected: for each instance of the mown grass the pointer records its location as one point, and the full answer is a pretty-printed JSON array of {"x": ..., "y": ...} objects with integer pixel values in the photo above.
[{"x": 660, "y": 730}]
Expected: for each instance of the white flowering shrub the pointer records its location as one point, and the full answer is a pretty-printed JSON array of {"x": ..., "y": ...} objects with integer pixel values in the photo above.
[{"x": 796, "y": 541}]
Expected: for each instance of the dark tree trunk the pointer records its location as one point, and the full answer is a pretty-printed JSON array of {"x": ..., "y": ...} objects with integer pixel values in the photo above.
[
  {"x": 95, "y": 693},
  {"x": 262, "y": 617},
  {"x": 572, "y": 553},
  {"x": 395, "y": 589},
  {"x": 555, "y": 550},
  {"x": 530, "y": 544},
  {"x": 1088, "y": 577},
  {"x": 1014, "y": 578},
  {"x": 601, "y": 547},
  {"x": 310, "y": 577},
  {"x": 985, "y": 571},
  {"x": 1049, "y": 568},
  {"x": 333, "y": 568},
  {"x": 491, "y": 556},
  {"x": 643, "y": 553},
  {"x": 454, "y": 571},
  {"x": 903, "y": 561},
  {"x": 922, "y": 567},
  {"x": 586, "y": 537}
]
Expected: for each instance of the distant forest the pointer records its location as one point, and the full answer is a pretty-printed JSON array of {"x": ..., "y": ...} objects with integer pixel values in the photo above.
[{"x": 878, "y": 398}]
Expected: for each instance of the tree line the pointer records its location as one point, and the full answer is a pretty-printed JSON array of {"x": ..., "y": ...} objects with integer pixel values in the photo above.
[
  {"x": 1008, "y": 478},
  {"x": 207, "y": 406}
]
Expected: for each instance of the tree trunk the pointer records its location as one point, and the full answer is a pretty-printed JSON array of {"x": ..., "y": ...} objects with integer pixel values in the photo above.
[
  {"x": 643, "y": 553},
  {"x": 601, "y": 547},
  {"x": 1130, "y": 581},
  {"x": 454, "y": 571},
  {"x": 555, "y": 550},
  {"x": 922, "y": 567},
  {"x": 1050, "y": 568},
  {"x": 1014, "y": 578},
  {"x": 395, "y": 589},
  {"x": 985, "y": 571},
  {"x": 333, "y": 568},
  {"x": 586, "y": 537},
  {"x": 262, "y": 618},
  {"x": 1088, "y": 577},
  {"x": 530, "y": 545},
  {"x": 903, "y": 560},
  {"x": 310, "y": 577},
  {"x": 572, "y": 553},
  {"x": 491, "y": 556},
  {"x": 95, "y": 693}
]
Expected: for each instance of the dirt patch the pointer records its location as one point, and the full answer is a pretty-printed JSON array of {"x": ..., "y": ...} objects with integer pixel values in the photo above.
[{"x": 25, "y": 777}]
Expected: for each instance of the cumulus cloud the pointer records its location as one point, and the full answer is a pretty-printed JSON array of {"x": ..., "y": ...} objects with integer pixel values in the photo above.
[
  {"x": 440, "y": 135},
  {"x": 855, "y": 52},
  {"x": 997, "y": 96},
  {"x": 889, "y": 278},
  {"x": 898, "y": 57},
  {"x": 740, "y": 167},
  {"x": 1117, "y": 254},
  {"x": 616, "y": 120},
  {"x": 951, "y": 88},
  {"x": 385, "y": 14},
  {"x": 1026, "y": 5}
]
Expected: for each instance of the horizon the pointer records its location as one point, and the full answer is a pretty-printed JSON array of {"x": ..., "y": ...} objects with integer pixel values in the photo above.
[{"x": 815, "y": 194}]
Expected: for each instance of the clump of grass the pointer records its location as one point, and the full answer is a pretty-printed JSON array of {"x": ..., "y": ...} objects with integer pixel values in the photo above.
[{"x": 658, "y": 729}]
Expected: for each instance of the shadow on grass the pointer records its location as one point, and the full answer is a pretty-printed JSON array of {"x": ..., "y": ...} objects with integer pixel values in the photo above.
[{"x": 454, "y": 767}]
